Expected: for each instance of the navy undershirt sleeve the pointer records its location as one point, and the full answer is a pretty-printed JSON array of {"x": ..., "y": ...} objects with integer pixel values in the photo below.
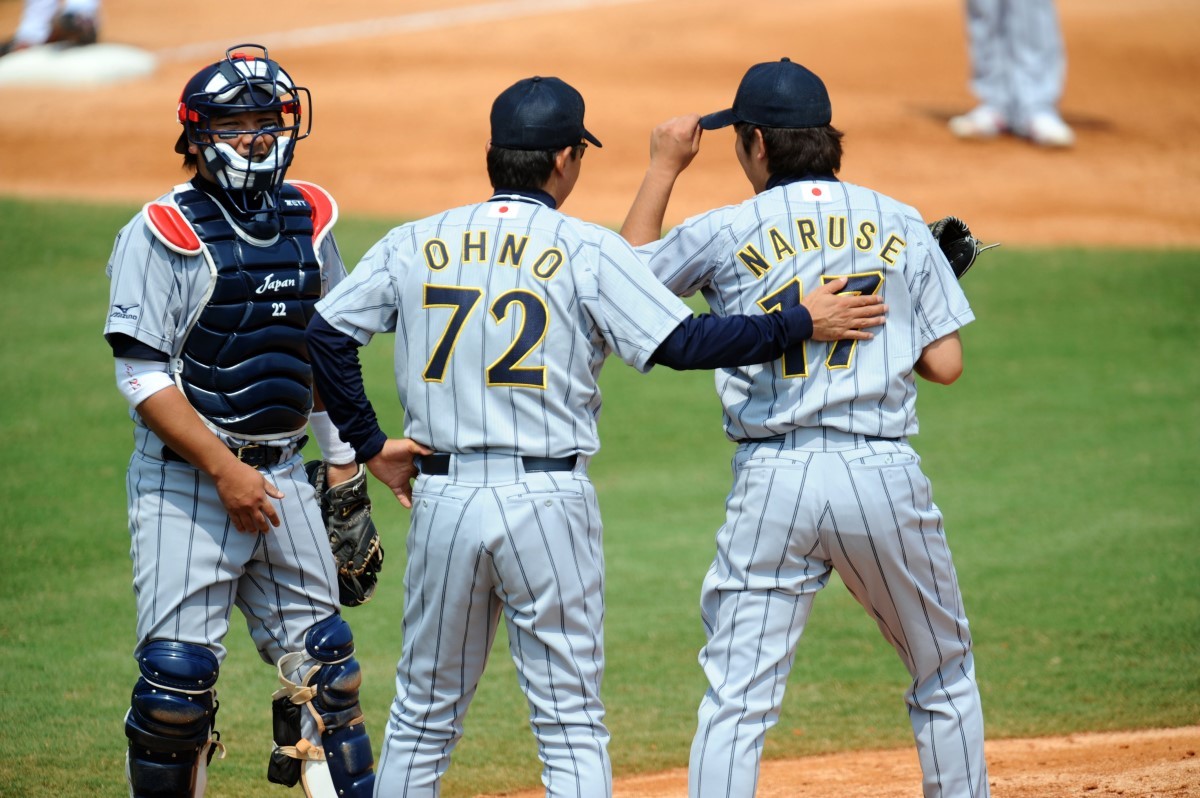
[
  {"x": 714, "y": 342},
  {"x": 127, "y": 346},
  {"x": 338, "y": 376}
]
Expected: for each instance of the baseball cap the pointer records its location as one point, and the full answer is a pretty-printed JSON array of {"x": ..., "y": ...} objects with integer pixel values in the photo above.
[
  {"x": 539, "y": 113},
  {"x": 776, "y": 94}
]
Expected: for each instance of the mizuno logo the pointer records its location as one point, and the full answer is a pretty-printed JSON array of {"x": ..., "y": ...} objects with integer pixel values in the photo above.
[
  {"x": 271, "y": 284},
  {"x": 122, "y": 312}
]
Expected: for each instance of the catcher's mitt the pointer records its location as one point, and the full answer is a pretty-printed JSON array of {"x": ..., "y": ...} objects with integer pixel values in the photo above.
[
  {"x": 957, "y": 244},
  {"x": 346, "y": 511}
]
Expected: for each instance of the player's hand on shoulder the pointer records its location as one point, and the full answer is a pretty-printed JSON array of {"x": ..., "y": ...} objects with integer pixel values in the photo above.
[
  {"x": 674, "y": 143},
  {"x": 247, "y": 496},
  {"x": 838, "y": 317},
  {"x": 394, "y": 466}
]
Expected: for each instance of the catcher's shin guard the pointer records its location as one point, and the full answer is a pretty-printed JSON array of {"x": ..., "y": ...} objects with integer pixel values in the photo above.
[
  {"x": 170, "y": 721},
  {"x": 325, "y": 694}
]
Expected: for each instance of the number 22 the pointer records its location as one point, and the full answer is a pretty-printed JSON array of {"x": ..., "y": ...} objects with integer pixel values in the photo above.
[{"x": 841, "y": 354}]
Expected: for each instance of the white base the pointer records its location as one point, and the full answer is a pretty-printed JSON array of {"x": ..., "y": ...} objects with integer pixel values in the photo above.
[{"x": 89, "y": 65}]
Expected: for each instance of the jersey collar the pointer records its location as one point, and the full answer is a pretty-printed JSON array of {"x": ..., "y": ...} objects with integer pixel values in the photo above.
[
  {"x": 775, "y": 181},
  {"x": 532, "y": 197}
]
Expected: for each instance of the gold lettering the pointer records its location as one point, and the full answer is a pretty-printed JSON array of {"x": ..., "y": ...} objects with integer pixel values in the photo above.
[
  {"x": 808, "y": 234},
  {"x": 891, "y": 248},
  {"x": 436, "y": 256},
  {"x": 753, "y": 260},
  {"x": 780, "y": 244},
  {"x": 547, "y": 263},
  {"x": 836, "y": 235},
  {"x": 866, "y": 236},
  {"x": 480, "y": 247},
  {"x": 511, "y": 252}
]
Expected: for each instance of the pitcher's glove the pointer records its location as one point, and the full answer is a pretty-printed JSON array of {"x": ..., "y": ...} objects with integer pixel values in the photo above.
[
  {"x": 957, "y": 244},
  {"x": 346, "y": 511}
]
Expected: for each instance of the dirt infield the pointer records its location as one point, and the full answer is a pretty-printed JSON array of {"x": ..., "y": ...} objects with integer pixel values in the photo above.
[
  {"x": 1159, "y": 763},
  {"x": 400, "y": 127},
  {"x": 401, "y": 116}
]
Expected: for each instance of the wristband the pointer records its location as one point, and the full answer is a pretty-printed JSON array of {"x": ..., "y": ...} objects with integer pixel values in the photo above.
[{"x": 334, "y": 450}]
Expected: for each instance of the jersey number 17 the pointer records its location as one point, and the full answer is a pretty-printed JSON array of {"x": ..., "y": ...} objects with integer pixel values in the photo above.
[{"x": 841, "y": 353}]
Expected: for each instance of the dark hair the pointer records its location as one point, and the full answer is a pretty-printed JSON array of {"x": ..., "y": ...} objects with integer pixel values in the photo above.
[
  {"x": 797, "y": 151},
  {"x": 524, "y": 170}
]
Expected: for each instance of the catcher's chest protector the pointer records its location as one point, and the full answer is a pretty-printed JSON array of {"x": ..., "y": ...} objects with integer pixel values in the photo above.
[{"x": 243, "y": 364}]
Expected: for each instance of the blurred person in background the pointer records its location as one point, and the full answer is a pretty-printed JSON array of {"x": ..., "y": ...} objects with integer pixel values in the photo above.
[
  {"x": 44, "y": 22},
  {"x": 1018, "y": 67}
]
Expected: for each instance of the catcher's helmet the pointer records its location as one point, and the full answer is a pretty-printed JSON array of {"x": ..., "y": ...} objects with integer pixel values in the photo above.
[{"x": 246, "y": 80}]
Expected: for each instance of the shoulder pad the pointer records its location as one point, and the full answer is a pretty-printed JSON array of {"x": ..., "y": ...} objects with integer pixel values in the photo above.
[
  {"x": 168, "y": 225},
  {"x": 324, "y": 208}
]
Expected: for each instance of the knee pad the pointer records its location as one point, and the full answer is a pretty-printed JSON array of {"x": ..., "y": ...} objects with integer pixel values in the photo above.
[
  {"x": 328, "y": 690},
  {"x": 170, "y": 720}
]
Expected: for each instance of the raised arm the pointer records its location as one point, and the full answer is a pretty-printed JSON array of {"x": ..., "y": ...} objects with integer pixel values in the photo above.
[{"x": 673, "y": 145}]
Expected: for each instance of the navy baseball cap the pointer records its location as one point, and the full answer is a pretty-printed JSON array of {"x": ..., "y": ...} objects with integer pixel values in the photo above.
[
  {"x": 776, "y": 94},
  {"x": 539, "y": 114}
]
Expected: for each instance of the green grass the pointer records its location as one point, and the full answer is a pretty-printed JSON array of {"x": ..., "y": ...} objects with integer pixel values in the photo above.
[{"x": 1062, "y": 461}]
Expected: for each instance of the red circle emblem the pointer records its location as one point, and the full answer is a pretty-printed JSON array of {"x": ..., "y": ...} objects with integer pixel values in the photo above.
[
  {"x": 503, "y": 209},
  {"x": 816, "y": 192}
]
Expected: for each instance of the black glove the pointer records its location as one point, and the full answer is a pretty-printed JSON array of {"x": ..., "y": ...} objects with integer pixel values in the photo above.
[
  {"x": 346, "y": 511},
  {"x": 957, "y": 244}
]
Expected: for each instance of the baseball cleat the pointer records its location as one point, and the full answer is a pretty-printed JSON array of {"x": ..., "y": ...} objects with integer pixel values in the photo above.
[
  {"x": 1049, "y": 130},
  {"x": 980, "y": 123},
  {"x": 12, "y": 46},
  {"x": 72, "y": 29}
]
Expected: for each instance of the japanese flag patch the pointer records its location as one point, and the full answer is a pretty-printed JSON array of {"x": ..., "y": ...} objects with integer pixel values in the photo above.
[
  {"x": 504, "y": 210},
  {"x": 816, "y": 191}
]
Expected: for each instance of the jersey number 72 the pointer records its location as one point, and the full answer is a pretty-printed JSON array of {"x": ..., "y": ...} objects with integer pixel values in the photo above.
[
  {"x": 507, "y": 369},
  {"x": 841, "y": 353}
]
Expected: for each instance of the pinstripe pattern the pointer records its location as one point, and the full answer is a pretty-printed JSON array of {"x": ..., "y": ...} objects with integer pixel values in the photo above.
[
  {"x": 529, "y": 553},
  {"x": 795, "y": 513},
  {"x": 840, "y": 488},
  {"x": 876, "y": 395},
  {"x": 601, "y": 300},
  {"x": 489, "y": 542},
  {"x": 190, "y": 565},
  {"x": 1018, "y": 62}
]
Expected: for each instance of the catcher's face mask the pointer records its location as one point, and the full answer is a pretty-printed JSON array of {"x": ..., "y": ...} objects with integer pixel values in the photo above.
[{"x": 244, "y": 115}]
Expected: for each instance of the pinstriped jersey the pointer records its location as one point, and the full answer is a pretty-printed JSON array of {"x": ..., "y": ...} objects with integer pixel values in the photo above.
[
  {"x": 763, "y": 255},
  {"x": 156, "y": 294},
  {"x": 504, "y": 312}
]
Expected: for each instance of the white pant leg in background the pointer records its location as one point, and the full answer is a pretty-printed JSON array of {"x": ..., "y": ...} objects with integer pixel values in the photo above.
[{"x": 1018, "y": 61}]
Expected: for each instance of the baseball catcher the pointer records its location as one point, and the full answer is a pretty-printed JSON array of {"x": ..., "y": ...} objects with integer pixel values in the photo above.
[
  {"x": 346, "y": 510},
  {"x": 957, "y": 244}
]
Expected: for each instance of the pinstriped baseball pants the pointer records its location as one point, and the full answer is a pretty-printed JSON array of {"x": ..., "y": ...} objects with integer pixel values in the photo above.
[
  {"x": 191, "y": 566},
  {"x": 797, "y": 510},
  {"x": 486, "y": 542}
]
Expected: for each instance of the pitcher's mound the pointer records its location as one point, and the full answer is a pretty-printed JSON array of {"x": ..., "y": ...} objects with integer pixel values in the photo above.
[{"x": 56, "y": 65}]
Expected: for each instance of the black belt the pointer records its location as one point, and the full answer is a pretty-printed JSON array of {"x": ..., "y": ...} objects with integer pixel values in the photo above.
[
  {"x": 438, "y": 465},
  {"x": 782, "y": 438},
  {"x": 256, "y": 454}
]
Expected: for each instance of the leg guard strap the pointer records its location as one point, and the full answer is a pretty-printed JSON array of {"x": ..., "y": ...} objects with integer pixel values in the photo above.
[{"x": 342, "y": 766}]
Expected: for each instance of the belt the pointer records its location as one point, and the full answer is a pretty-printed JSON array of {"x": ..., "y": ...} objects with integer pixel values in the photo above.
[
  {"x": 782, "y": 438},
  {"x": 438, "y": 465},
  {"x": 255, "y": 454}
]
